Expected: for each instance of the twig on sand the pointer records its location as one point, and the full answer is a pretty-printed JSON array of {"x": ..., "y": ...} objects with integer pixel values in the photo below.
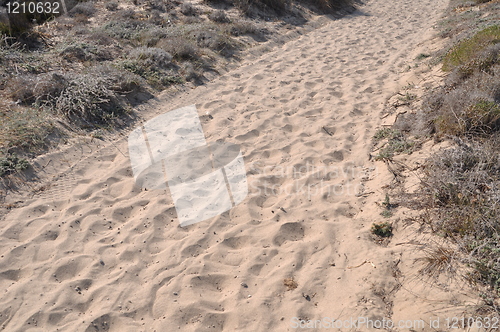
[
  {"x": 327, "y": 131},
  {"x": 354, "y": 267},
  {"x": 364, "y": 194}
]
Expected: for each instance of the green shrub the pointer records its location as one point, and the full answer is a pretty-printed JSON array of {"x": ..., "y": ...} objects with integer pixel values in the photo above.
[
  {"x": 394, "y": 146},
  {"x": 383, "y": 229},
  {"x": 11, "y": 163},
  {"x": 153, "y": 64},
  {"x": 482, "y": 62},
  {"x": 387, "y": 132},
  {"x": 468, "y": 49}
]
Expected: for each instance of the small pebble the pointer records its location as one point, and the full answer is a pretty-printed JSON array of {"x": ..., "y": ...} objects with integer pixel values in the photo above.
[{"x": 244, "y": 285}]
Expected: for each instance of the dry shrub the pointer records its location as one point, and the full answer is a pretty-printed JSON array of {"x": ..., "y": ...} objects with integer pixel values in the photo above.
[
  {"x": 162, "y": 5},
  {"x": 154, "y": 65},
  {"x": 280, "y": 7},
  {"x": 216, "y": 41},
  {"x": 151, "y": 57},
  {"x": 188, "y": 9},
  {"x": 129, "y": 29},
  {"x": 329, "y": 6},
  {"x": 112, "y": 6},
  {"x": 466, "y": 107},
  {"x": 180, "y": 48},
  {"x": 87, "y": 99},
  {"x": 121, "y": 81},
  {"x": 151, "y": 37},
  {"x": 242, "y": 27},
  {"x": 462, "y": 189},
  {"x": 84, "y": 9},
  {"x": 31, "y": 89},
  {"x": 219, "y": 16}
]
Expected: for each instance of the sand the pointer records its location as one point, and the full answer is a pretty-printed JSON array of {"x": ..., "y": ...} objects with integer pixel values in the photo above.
[{"x": 90, "y": 250}]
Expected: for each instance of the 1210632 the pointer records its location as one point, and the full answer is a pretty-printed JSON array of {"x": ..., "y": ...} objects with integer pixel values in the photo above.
[{"x": 31, "y": 7}]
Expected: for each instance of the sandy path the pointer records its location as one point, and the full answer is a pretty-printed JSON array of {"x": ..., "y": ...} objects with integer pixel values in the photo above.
[{"x": 95, "y": 253}]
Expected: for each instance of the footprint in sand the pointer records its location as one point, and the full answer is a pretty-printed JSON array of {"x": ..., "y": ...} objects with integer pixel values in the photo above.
[{"x": 292, "y": 231}]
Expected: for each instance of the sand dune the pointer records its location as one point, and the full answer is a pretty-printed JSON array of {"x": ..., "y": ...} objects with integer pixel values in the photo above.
[{"x": 95, "y": 252}]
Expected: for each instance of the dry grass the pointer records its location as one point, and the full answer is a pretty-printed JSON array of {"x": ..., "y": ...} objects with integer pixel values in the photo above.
[
  {"x": 24, "y": 129},
  {"x": 438, "y": 260}
]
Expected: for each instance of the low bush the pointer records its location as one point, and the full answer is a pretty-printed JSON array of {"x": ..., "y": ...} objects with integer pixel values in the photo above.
[
  {"x": 188, "y": 9},
  {"x": 11, "y": 163},
  {"x": 87, "y": 100},
  {"x": 180, "y": 48},
  {"x": 111, "y": 6},
  {"x": 162, "y": 5},
  {"x": 215, "y": 41},
  {"x": 24, "y": 129},
  {"x": 130, "y": 29},
  {"x": 151, "y": 57},
  {"x": 219, "y": 16},
  {"x": 85, "y": 9},
  {"x": 468, "y": 49},
  {"x": 155, "y": 76},
  {"x": 462, "y": 186},
  {"x": 383, "y": 229},
  {"x": 396, "y": 145}
]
